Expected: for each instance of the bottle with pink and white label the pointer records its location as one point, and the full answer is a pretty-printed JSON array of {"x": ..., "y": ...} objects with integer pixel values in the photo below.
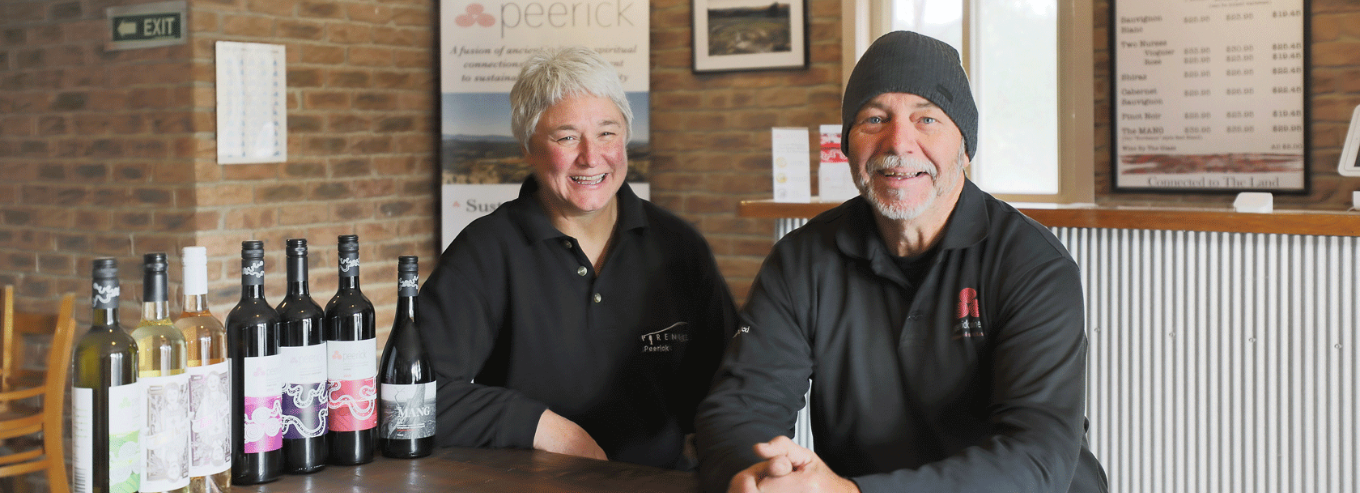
[
  {"x": 351, "y": 364},
  {"x": 256, "y": 406}
]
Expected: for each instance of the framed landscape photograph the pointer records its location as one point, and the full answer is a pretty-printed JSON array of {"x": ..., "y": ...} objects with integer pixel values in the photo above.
[{"x": 734, "y": 35}]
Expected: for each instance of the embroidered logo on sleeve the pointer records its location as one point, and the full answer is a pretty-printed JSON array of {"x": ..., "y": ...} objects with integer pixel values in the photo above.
[
  {"x": 666, "y": 340},
  {"x": 969, "y": 322}
]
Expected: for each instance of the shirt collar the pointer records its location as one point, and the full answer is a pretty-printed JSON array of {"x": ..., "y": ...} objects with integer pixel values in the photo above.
[
  {"x": 968, "y": 224},
  {"x": 528, "y": 212}
]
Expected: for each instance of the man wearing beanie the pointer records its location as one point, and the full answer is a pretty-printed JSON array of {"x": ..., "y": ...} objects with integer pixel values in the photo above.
[{"x": 942, "y": 330}]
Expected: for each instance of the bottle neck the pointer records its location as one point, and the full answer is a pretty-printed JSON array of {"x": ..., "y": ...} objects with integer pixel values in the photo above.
[
  {"x": 155, "y": 310},
  {"x": 195, "y": 303},
  {"x": 349, "y": 282},
  {"x": 252, "y": 291},
  {"x": 104, "y": 317},
  {"x": 297, "y": 276},
  {"x": 406, "y": 307}
]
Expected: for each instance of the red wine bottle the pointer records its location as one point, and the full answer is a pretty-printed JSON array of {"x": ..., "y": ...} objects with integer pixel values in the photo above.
[
  {"x": 304, "y": 383},
  {"x": 407, "y": 393},
  {"x": 108, "y": 404},
  {"x": 253, "y": 342},
  {"x": 351, "y": 365}
]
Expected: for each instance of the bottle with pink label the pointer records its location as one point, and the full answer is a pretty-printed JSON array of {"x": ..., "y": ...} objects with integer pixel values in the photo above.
[
  {"x": 351, "y": 364},
  {"x": 256, "y": 406}
]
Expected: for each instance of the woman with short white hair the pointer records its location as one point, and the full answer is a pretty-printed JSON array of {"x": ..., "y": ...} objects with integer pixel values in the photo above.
[{"x": 577, "y": 318}]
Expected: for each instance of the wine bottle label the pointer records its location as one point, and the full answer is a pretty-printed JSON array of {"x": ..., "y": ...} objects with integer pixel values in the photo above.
[
  {"x": 352, "y": 369},
  {"x": 263, "y": 428},
  {"x": 165, "y": 438},
  {"x": 210, "y": 418},
  {"x": 125, "y": 416},
  {"x": 407, "y": 411},
  {"x": 304, "y": 391}
]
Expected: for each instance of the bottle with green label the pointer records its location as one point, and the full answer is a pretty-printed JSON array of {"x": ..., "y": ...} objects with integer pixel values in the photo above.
[{"x": 107, "y": 402}]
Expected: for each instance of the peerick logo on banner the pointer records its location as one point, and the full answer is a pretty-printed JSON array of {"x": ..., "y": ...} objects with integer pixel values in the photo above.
[{"x": 535, "y": 15}]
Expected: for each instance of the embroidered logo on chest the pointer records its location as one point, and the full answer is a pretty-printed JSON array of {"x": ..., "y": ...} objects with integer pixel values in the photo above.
[
  {"x": 667, "y": 339},
  {"x": 969, "y": 322}
]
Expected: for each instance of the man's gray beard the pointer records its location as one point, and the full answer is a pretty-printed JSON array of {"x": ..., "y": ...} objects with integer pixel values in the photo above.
[{"x": 897, "y": 212}]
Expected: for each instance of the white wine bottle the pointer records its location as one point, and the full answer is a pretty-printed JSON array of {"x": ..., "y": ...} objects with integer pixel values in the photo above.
[
  {"x": 161, "y": 361},
  {"x": 107, "y": 402},
  {"x": 209, "y": 380}
]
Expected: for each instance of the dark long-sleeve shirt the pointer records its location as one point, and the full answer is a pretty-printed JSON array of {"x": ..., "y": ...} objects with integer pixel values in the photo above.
[
  {"x": 516, "y": 320},
  {"x": 974, "y": 383}
]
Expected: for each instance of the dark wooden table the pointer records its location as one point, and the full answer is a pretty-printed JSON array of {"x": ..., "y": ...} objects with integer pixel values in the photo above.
[{"x": 490, "y": 471}]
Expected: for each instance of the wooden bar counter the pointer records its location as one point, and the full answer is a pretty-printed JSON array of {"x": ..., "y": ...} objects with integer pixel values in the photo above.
[
  {"x": 1324, "y": 223},
  {"x": 465, "y": 470}
]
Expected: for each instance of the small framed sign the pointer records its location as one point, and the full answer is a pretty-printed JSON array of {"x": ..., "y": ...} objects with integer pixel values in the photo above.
[
  {"x": 1209, "y": 96},
  {"x": 734, "y": 35}
]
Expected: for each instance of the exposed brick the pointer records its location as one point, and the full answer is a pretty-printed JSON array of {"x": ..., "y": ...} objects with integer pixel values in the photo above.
[
  {"x": 302, "y": 214},
  {"x": 350, "y": 78},
  {"x": 328, "y": 10},
  {"x": 251, "y": 218},
  {"x": 369, "y": 13},
  {"x": 348, "y": 33},
  {"x": 320, "y": 54},
  {"x": 370, "y": 57},
  {"x": 327, "y": 100},
  {"x": 331, "y": 191},
  {"x": 279, "y": 193},
  {"x": 69, "y": 101},
  {"x": 373, "y": 145},
  {"x": 304, "y": 77},
  {"x": 351, "y": 168},
  {"x": 281, "y": 8},
  {"x": 304, "y": 170},
  {"x": 247, "y": 25},
  {"x": 349, "y": 123}
]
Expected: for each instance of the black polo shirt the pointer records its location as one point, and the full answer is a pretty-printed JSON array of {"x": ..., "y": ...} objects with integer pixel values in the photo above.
[{"x": 516, "y": 320}]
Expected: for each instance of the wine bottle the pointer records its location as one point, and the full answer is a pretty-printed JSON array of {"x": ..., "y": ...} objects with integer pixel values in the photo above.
[
  {"x": 407, "y": 393},
  {"x": 304, "y": 355},
  {"x": 352, "y": 365},
  {"x": 253, "y": 342},
  {"x": 209, "y": 380},
  {"x": 161, "y": 360},
  {"x": 107, "y": 402}
]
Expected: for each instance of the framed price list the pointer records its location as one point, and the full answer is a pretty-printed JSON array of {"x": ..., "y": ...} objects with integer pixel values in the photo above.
[{"x": 1209, "y": 95}]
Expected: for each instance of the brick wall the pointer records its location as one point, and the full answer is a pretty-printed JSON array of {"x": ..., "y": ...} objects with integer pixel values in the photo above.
[
  {"x": 112, "y": 152},
  {"x": 93, "y": 148},
  {"x": 362, "y": 128},
  {"x": 711, "y": 132}
]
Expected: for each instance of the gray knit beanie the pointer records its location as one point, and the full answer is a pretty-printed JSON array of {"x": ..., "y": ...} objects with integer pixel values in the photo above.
[{"x": 904, "y": 61}]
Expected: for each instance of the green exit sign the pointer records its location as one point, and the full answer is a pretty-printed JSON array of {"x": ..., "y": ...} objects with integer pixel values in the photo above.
[{"x": 146, "y": 25}]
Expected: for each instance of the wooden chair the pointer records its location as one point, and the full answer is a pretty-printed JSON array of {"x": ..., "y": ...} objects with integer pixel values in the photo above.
[{"x": 48, "y": 454}]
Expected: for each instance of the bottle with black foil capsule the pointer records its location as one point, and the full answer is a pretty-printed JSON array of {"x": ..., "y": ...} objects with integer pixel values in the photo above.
[
  {"x": 162, "y": 359},
  {"x": 406, "y": 379},
  {"x": 253, "y": 342},
  {"x": 303, "y": 348},
  {"x": 209, "y": 380},
  {"x": 352, "y": 364},
  {"x": 108, "y": 404}
]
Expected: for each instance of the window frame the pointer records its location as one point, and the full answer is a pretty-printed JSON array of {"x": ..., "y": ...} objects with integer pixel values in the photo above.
[{"x": 863, "y": 21}]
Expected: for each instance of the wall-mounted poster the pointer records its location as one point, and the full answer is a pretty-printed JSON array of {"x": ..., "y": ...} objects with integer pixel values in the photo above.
[
  {"x": 482, "y": 44},
  {"x": 1209, "y": 95}
]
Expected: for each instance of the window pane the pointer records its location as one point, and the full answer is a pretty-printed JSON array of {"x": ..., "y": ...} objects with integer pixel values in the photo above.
[
  {"x": 1015, "y": 79},
  {"x": 1014, "y": 74},
  {"x": 942, "y": 20}
]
